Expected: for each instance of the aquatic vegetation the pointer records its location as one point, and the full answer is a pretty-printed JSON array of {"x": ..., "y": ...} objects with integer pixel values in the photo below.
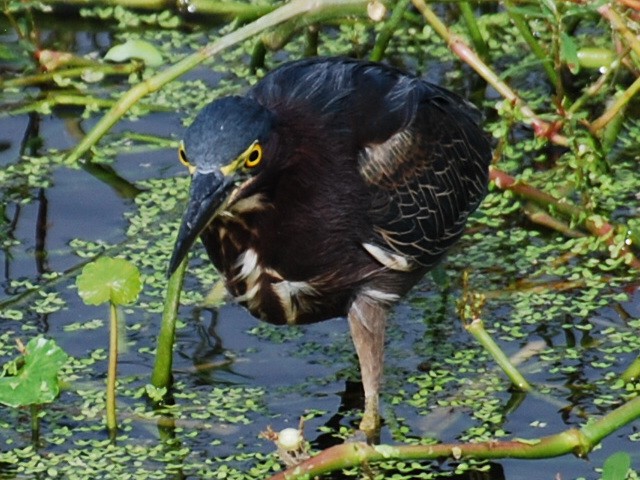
[{"x": 559, "y": 296}]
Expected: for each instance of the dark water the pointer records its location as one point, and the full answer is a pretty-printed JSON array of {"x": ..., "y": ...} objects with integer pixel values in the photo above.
[{"x": 301, "y": 370}]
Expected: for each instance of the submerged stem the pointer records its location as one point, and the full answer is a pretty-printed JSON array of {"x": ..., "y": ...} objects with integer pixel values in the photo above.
[{"x": 476, "y": 328}]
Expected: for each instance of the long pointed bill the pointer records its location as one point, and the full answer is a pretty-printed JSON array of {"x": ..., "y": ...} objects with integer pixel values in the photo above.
[{"x": 208, "y": 191}]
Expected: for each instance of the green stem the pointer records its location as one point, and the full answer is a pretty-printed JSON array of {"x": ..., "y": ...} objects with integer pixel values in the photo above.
[
  {"x": 161, "y": 376},
  {"x": 239, "y": 10},
  {"x": 595, "y": 432},
  {"x": 522, "y": 26},
  {"x": 476, "y": 328},
  {"x": 278, "y": 37},
  {"x": 474, "y": 31},
  {"x": 61, "y": 99},
  {"x": 112, "y": 424},
  {"x": 632, "y": 374},
  {"x": 579, "y": 442},
  {"x": 71, "y": 73},
  {"x": 140, "y": 4},
  {"x": 286, "y": 12},
  {"x": 35, "y": 422},
  {"x": 388, "y": 30},
  {"x": 596, "y": 87},
  {"x": 258, "y": 55},
  {"x": 540, "y": 216},
  {"x": 616, "y": 108},
  {"x": 311, "y": 35}
]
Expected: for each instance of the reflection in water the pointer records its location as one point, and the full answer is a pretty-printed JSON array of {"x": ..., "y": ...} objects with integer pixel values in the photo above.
[
  {"x": 206, "y": 356},
  {"x": 209, "y": 354},
  {"x": 40, "y": 252}
]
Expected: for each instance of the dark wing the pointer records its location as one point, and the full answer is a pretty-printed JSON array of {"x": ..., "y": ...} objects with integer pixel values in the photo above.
[
  {"x": 427, "y": 178},
  {"x": 419, "y": 148}
]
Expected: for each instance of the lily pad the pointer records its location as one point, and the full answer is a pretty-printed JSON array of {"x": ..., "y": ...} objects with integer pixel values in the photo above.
[
  {"x": 145, "y": 51},
  {"x": 34, "y": 376},
  {"x": 109, "y": 279}
]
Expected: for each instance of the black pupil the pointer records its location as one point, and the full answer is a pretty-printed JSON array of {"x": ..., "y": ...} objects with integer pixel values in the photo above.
[{"x": 253, "y": 156}]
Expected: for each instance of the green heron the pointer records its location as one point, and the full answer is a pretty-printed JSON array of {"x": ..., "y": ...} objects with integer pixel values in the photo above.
[{"x": 329, "y": 190}]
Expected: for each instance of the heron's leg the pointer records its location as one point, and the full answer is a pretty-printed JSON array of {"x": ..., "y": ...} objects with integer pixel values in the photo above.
[{"x": 367, "y": 319}]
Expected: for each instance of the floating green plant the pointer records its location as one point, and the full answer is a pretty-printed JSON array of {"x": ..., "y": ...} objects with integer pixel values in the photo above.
[
  {"x": 117, "y": 281},
  {"x": 32, "y": 378}
]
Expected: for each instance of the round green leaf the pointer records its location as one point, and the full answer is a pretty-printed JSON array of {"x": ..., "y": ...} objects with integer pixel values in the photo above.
[
  {"x": 145, "y": 51},
  {"x": 35, "y": 380},
  {"x": 616, "y": 466},
  {"x": 109, "y": 279}
]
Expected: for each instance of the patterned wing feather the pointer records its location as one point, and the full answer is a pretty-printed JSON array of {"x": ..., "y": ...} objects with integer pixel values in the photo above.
[{"x": 427, "y": 178}]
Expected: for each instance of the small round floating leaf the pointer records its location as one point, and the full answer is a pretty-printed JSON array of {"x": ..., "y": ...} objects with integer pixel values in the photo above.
[
  {"x": 616, "y": 466},
  {"x": 109, "y": 279},
  {"x": 35, "y": 378},
  {"x": 145, "y": 51}
]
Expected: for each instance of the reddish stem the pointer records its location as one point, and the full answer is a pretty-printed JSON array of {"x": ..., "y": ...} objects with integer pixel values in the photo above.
[{"x": 596, "y": 225}]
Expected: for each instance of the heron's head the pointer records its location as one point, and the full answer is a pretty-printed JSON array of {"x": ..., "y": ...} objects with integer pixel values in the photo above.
[{"x": 224, "y": 141}]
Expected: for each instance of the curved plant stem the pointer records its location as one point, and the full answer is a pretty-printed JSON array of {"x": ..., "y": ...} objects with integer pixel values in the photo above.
[
  {"x": 388, "y": 29},
  {"x": 595, "y": 224},
  {"x": 226, "y": 8},
  {"x": 112, "y": 423},
  {"x": 286, "y": 12},
  {"x": 161, "y": 376},
  {"x": 460, "y": 48},
  {"x": 579, "y": 442}
]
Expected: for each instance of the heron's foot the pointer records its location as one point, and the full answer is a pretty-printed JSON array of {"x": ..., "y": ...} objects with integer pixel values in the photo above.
[{"x": 370, "y": 423}]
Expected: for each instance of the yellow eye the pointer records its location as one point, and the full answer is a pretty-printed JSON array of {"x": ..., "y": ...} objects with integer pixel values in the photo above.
[
  {"x": 254, "y": 156},
  {"x": 182, "y": 156}
]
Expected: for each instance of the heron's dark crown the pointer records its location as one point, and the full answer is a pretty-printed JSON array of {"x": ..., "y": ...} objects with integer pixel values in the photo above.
[{"x": 224, "y": 129}]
